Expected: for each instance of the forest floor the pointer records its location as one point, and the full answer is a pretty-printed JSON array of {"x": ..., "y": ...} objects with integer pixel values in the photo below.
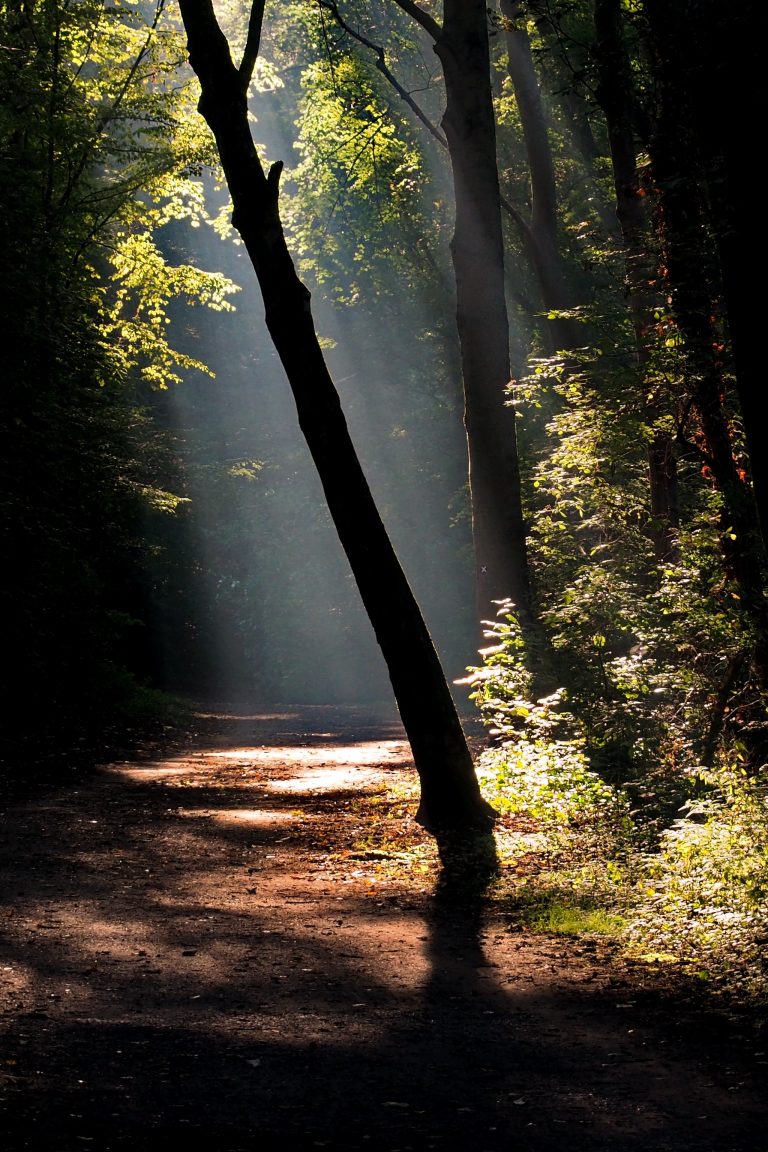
[{"x": 246, "y": 944}]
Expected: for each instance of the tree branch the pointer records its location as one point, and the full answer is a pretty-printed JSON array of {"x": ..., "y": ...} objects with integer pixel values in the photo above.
[
  {"x": 428, "y": 23},
  {"x": 111, "y": 112},
  {"x": 519, "y": 221},
  {"x": 332, "y": 7},
  {"x": 252, "y": 43}
]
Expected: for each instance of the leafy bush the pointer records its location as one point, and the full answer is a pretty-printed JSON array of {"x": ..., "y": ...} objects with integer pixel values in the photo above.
[
  {"x": 549, "y": 780},
  {"x": 540, "y": 769},
  {"x": 698, "y": 898},
  {"x": 702, "y": 898}
]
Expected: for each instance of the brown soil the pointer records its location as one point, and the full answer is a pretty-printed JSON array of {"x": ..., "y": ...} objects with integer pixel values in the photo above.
[{"x": 208, "y": 950}]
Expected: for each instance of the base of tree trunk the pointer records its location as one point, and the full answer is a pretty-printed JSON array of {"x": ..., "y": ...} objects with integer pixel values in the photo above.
[{"x": 441, "y": 819}]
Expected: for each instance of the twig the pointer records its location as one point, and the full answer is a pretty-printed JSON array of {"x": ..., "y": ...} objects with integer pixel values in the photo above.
[{"x": 381, "y": 64}]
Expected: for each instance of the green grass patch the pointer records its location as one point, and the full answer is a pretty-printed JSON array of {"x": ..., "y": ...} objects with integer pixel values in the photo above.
[{"x": 562, "y": 918}]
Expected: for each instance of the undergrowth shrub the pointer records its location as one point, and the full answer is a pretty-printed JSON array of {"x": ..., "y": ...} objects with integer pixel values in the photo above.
[
  {"x": 540, "y": 770},
  {"x": 680, "y": 853},
  {"x": 550, "y": 781},
  {"x": 702, "y": 899}
]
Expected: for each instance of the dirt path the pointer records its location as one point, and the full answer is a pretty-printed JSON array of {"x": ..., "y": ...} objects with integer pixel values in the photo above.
[{"x": 198, "y": 953}]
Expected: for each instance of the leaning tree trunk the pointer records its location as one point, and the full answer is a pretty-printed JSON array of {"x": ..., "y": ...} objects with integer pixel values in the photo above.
[{"x": 450, "y": 796}]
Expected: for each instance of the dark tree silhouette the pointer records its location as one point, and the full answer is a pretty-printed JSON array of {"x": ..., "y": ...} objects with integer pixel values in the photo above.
[
  {"x": 693, "y": 278},
  {"x": 477, "y": 249},
  {"x": 450, "y": 795},
  {"x": 617, "y": 98}
]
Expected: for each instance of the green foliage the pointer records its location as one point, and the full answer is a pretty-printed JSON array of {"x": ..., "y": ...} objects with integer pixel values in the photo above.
[
  {"x": 702, "y": 900},
  {"x": 643, "y": 647},
  {"x": 561, "y": 916},
  {"x": 134, "y": 330},
  {"x": 540, "y": 767},
  {"x": 549, "y": 781},
  {"x": 97, "y": 156},
  {"x": 501, "y": 687},
  {"x": 696, "y": 896},
  {"x": 358, "y": 189}
]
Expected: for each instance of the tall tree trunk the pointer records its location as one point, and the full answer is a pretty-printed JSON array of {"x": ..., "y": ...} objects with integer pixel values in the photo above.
[
  {"x": 498, "y": 527},
  {"x": 545, "y": 249},
  {"x": 616, "y": 97},
  {"x": 481, "y": 311},
  {"x": 450, "y": 797},
  {"x": 563, "y": 81},
  {"x": 693, "y": 282},
  {"x": 725, "y": 82}
]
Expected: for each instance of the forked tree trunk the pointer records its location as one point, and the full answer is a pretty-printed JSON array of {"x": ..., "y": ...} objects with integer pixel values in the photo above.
[{"x": 450, "y": 796}]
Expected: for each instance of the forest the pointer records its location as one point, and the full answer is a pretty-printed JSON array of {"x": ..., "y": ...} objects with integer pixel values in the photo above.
[{"x": 525, "y": 483}]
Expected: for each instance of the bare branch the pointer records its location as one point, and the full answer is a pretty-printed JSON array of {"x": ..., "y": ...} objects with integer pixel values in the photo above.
[
  {"x": 519, "y": 221},
  {"x": 331, "y": 6},
  {"x": 252, "y": 43},
  {"x": 428, "y": 23},
  {"x": 381, "y": 64},
  {"x": 327, "y": 44}
]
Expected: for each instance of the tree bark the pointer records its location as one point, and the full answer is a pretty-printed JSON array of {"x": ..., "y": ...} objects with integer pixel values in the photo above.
[
  {"x": 725, "y": 82},
  {"x": 545, "y": 249},
  {"x": 450, "y": 795},
  {"x": 481, "y": 312},
  {"x": 616, "y": 98},
  {"x": 693, "y": 280}
]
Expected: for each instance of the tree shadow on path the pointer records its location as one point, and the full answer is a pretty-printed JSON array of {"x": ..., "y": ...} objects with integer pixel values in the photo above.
[{"x": 244, "y": 997}]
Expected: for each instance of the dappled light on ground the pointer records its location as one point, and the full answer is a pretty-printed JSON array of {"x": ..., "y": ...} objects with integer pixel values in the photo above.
[
  {"x": 152, "y": 771},
  {"x": 246, "y": 815},
  {"x": 325, "y": 778},
  {"x": 325, "y": 767},
  {"x": 280, "y": 961}
]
